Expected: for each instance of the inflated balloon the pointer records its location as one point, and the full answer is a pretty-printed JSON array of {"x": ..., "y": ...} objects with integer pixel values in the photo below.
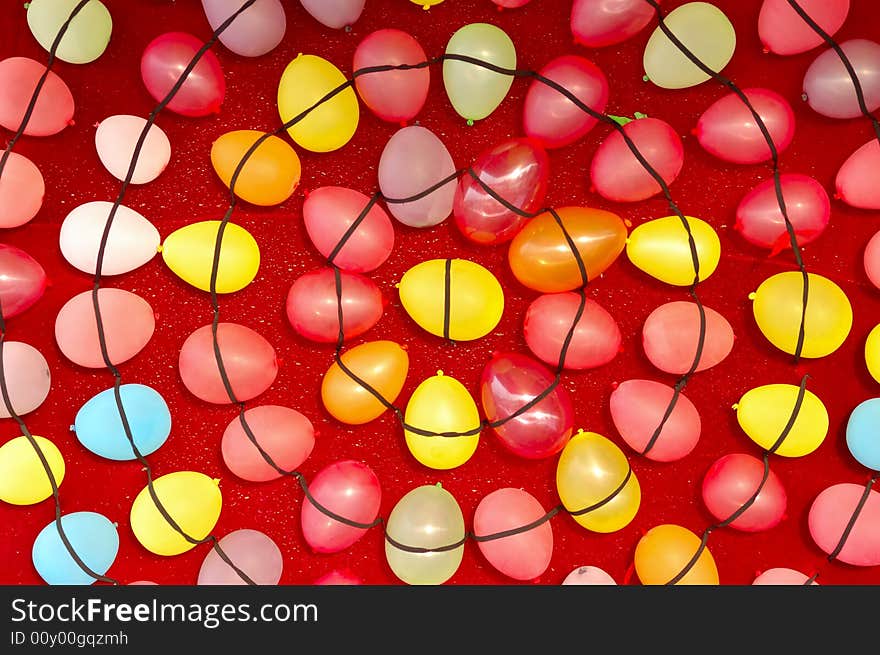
[
  {"x": 313, "y": 305},
  {"x": 764, "y": 412},
  {"x": 474, "y": 296},
  {"x": 336, "y": 577},
  {"x": 861, "y": 433},
  {"x": 664, "y": 552},
  {"x": 541, "y": 258},
  {"x": 830, "y": 516},
  {"x": 53, "y": 110},
  {"x": 731, "y": 482},
  {"x": 253, "y": 552},
  {"x": 116, "y": 140},
  {"x": 270, "y": 174},
  {"x": 305, "y": 81},
  {"x": 855, "y": 183},
  {"x": 784, "y": 32},
  {"x": 248, "y": 359},
  {"x": 638, "y": 408},
  {"x": 517, "y": 170},
  {"x": 255, "y": 31},
  {"x": 872, "y": 260},
  {"x": 27, "y": 377},
  {"x": 778, "y": 309},
  {"x": 661, "y": 248},
  {"x": 593, "y": 474},
  {"x": 23, "y": 479},
  {"x": 143, "y": 583},
  {"x": 92, "y": 537},
  {"x": 782, "y": 576},
  {"x": 426, "y": 517},
  {"x": 189, "y": 253},
  {"x": 511, "y": 4},
  {"x": 829, "y": 87},
  {"x": 284, "y": 434},
  {"x": 588, "y": 575},
  {"x": 671, "y": 335},
  {"x": 872, "y": 353},
  {"x": 21, "y": 189},
  {"x": 381, "y": 364},
  {"x": 22, "y": 280},
  {"x": 192, "y": 499},
  {"x": 87, "y": 34},
  {"x": 164, "y": 60},
  {"x": 599, "y": 23},
  {"x": 335, "y": 14}
]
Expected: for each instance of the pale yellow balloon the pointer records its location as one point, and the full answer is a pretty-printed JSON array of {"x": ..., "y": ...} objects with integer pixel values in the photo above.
[
  {"x": 661, "y": 248},
  {"x": 86, "y": 37},
  {"x": 764, "y": 412},
  {"x": 23, "y": 479},
  {"x": 872, "y": 353}
]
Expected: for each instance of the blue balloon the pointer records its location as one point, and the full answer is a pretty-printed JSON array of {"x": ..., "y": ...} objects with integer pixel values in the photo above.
[
  {"x": 98, "y": 425},
  {"x": 93, "y": 538},
  {"x": 863, "y": 434}
]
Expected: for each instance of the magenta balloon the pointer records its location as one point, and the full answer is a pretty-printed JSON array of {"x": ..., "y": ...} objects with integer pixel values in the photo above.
[
  {"x": 638, "y": 408},
  {"x": 784, "y": 32},
  {"x": 335, "y": 14},
  {"x": 549, "y": 116},
  {"x": 53, "y": 110},
  {"x": 313, "y": 307},
  {"x": 782, "y": 576},
  {"x": 588, "y": 575},
  {"x": 731, "y": 482},
  {"x": 872, "y": 260},
  {"x": 255, "y": 31},
  {"x": 254, "y": 553},
  {"x": 829, "y": 88},
  {"x": 22, "y": 280},
  {"x": 27, "y": 377},
  {"x": 162, "y": 63},
  {"x": 830, "y": 515},
  {"x": 856, "y": 180},
  {"x": 616, "y": 173},
  {"x": 249, "y": 361},
  {"x": 337, "y": 577},
  {"x": 516, "y": 170},
  {"x": 21, "y": 191},
  {"x": 523, "y": 556},
  {"x": 671, "y": 334},
  {"x": 395, "y": 95},
  {"x": 598, "y": 23},
  {"x": 127, "y": 319},
  {"x": 330, "y": 211},
  {"x": 349, "y": 489},
  {"x": 509, "y": 382}
]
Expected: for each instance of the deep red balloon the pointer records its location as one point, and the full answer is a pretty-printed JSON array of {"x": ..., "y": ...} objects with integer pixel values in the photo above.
[
  {"x": 22, "y": 280},
  {"x": 162, "y": 63},
  {"x": 598, "y": 23},
  {"x": 729, "y": 484}
]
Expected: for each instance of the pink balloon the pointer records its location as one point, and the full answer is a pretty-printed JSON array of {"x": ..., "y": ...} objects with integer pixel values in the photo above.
[
  {"x": 53, "y": 110},
  {"x": 509, "y": 382},
  {"x": 313, "y": 307},
  {"x": 128, "y": 322},
  {"x": 588, "y": 575},
  {"x": 162, "y": 63},
  {"x": 784, "y": 32},
  {"x": 549, "y": 116},
  {"x": 284, "y": 434},
  {"x": 249, "y": 361},
  {"x": 142, "y": 583},
  {"x": 598, "y": 23},
  {"x": 21, "y": 190},
  {"x": 729, "y": 484},
  {"x": 638, "y": 408},
  {"x": 335, "y": 14},
  {"x": 395, "y": 95},
  {"x": 255, "y": 554},
  {"x": 671, "y": 334},
  {"x": 872, "y": 260},
  {"x": 829, "y": 88},
  {"x": 22, "y": 280},
  {"x": 339, "y": 578},
  {"x": 782, "y": 576},
  {"x": 329, "y": 213},
  {"x": 830, "y": 514},
  {"x": 349, "y": 489},
  {"x": 27, "y": 377},
  {"x": 516, "y": 170},
  {"x": 511, "y": 4},
  {"x": 596, "y": 339},
  {"x": 255, "y": 31},
  {"x": 856, "y": 181},
  {"x": 523, "y": 556},
  {"x": 616, "y": 173}
]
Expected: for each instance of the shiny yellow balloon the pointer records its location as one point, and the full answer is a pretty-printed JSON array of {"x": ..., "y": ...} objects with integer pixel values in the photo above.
[
  {"x": 189, "y": 253},
  {"x": 476, "y": 300},
  {"x": 590, "y": 471},
  {"x": 86, "y": 37},
  {"x": 661, "y": 248},
  {"x": 23, "y": 479},
  {"x": 270, "y": 174},
  {"x": 872, "y": 353},
  {"x": 305, "y": 81},
  {"x": 664, "y": 552},
  {"x": 192, "y": 499},
  {"x": 426, "y": 4},
  {"x": 778, "y": 306},
  {"x": 439, "y": 405},
  {"x": 764, "y": 412}
]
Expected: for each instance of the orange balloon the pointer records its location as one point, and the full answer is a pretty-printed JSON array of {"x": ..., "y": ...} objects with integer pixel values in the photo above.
[
  {"x": 381, "y": 364},
  {"x": 664, "y": 551},
  {"x": 541, "y": 258},
  {"x": 270, "y": 174}
]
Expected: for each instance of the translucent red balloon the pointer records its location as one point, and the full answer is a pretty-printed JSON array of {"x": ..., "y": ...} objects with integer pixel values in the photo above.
[
  {"x": 22, "y": 280},
  {"x": 732, "y": 481},
  {"x": 784, "y": 32},
  {"x": 599, "y": 23},
  {"x": 53, "y": 110}
]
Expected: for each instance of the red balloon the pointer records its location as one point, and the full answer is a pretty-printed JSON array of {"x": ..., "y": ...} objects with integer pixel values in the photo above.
[
  {"x": 337, "y": 577},
  {"x": 731, "y": 481},
  {"x": 22, "y": 280},
  {"x": 830, "y": 514},
  {"x": 784, "y": 32},
  {"x": 53, "y": 110},
  {"x": 671, "y": 334},
  {"x": 598, "y": 23}
]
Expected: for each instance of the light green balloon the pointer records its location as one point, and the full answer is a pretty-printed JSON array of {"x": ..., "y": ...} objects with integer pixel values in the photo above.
[
  {"x": 426, "y": 517},
  {"x": 475, "y": 92},
  {"x": 86, "y": 37}
]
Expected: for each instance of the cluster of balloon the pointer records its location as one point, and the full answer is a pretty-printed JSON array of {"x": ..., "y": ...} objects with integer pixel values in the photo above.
[
  {"x": 24, "y": 480},
  {"x": 600, "y": 23},
  {"x": 764, "y": 413},
  {"x": 731, "y": 482},
  {"x": 784, "y": 32},
  {"x": 22, "y": 280},
  {"x": 666, "y": 550},
  {"x": 284, "y": 434},
  {"x": 335, "y": 14},
  {"x": 254, "y": 32},
  {"x": 252, "y": 552},
  {"x": 588, "y": 575},
  {"x": 828, "y": 87},
  {"x": 87, "y": 34},
  {"x": 271, "y": 172},
  {"x": 116, "y": 139},
  {"x": 93, "y": 537}
]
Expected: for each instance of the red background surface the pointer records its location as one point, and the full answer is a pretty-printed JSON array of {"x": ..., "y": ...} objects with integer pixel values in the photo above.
[{"x": 189, "y": 191}]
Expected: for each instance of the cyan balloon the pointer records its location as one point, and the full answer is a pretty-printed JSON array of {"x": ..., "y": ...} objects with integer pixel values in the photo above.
[
  {"x": 92, "y": 536},
  {"x": 862, "y": 437}
]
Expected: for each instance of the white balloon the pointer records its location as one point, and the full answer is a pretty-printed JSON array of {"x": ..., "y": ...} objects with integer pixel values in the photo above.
[
  {"x": 335, "y": 14},
  {"x": 588, "y": 575},
  {"x": 115, "y": 140}
]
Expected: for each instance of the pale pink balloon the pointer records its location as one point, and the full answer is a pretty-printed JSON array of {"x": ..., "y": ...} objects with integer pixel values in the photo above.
[
  {"x": 638, "y": 408},
  {"x": 21, "y": 191},
  {"x": 53, "y": 110},
  {"x": 349, "y": 489},
  {"x": 872, "y": 260},
  {"x": 830, "y": 514},
  {"x": 254, "y": 553},
  {"x": 523, "y": 556},
  {"x": 671, "y": 333},
  {"x": 335, "y": 14},
  {"x": 856, "y": 181},
  {"x": 284, "y": 434},
  {"x": 599, "y": 23},
  {"x": 829, "y": 87},
  {"x": 731, "y": 482},
  {"x": 782, "y": 576},
  {"x": 249, "y": 361},
  {"x": 588, "y": 575},
  {"x": 142, "y": 583},
  {"x": 27, "y": 377},
  {"x": 336, "y": 577},
  {"x": 22, "y": 280},
  {"x": 784, "y": 32},
  {"x": 127, "y": 319},
  {"x": 115, "y": 141},
  {"x": 255, "y": 31}
]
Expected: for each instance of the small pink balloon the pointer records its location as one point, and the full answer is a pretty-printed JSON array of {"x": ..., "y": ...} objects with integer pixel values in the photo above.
[
  {"x": 856, "y": 181},
  {"x": 27, "y": 378},
  {"x": 349, "y": 489},
  {"x": 142, "y": 583},
  {"x": 249, "y": 361},
  {"x": 638, "y": 408},
  {"x": 313, "y": 306},
  {"x": 21, "y": 191},
  {"x": 523, "y": 556},
  {"x": 127, "y": 319},
  {"x": 830, "y": 515},
  {"x": 671, "y": 334},
  {"x": 784, "y": 32},
  {"x": 53, "y": 110},
  {"x": 339, "y": 578},
  {"x": 165, "y": 59},
  {"x": 599, "y": 23},
  {"x": 254, "y": 553},
  {"x": 255, "y": 31},
  {"x": 511, "y": 4},
  {"x": 22, "y": 280},
  {"x": 782, "y": 576},
  {"x": 829, "y": 87},
  {"x": 872, "y": 260},
  {"x": 588, "y": 575},
  {"x": 335, "y": 14},
  {"x": 731, "y": 482},
  {"x": 116, "y": 139}
]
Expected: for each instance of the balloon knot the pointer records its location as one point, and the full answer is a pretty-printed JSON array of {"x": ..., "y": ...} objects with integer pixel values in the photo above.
[
  {"x": 614, "y": 385},
  {"x": 440, "y": 374},
  {"x": 804, "y": 97},
  {"x": 397, "y": 285},
  {"x": 73, "y": 428},
  {"x": 26, "y": 5},
  {"x": 347, "y": 29},
  {"x": 470, "y": 122},
  {"x": 628, "y": 223},
  {"x": 837, "y": 196},
  {"x": 439, "y": 485},
  {"x": 115, "y": 524},
  {"x": 752, "y": 295},
  {"x": 160, "y": 248},
  {"x": 645, "y": 78},
  {"x": 580, "y": 430},
  {"x": 216, "y": 481},
  {"x": 765, "y": 50},
  {"x": 404, "y": 347},
  {"x": 71, "y": 122},
  {"x": 306, "y": 192}
]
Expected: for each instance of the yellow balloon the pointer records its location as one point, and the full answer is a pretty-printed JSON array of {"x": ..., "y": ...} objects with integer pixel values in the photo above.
[
  {"x": 706, "y": 32},
  {"x": 305, "y": 81},
  {"x": 590, "y": 470},
  {"x": 23, "y": 480},
  {"x": 189, "y": 253},
  {"x": 661, "y": 249},
  {"x": 872, "y": 353},
  {"x": 426, "y": 4},
  {"x": 476, "y": 301},
  {"x": 192, "y": 499},
  {"x": 764, "y": 412},
  {"x": 778, "y": 306},
  {"x": 664, "y": 552},
  {"x": 86, "y": 37},
  {"x": 442, "y": 404}
]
